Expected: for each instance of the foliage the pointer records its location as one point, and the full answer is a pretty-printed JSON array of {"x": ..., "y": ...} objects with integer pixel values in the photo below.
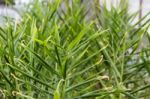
[{"x": 64, "y": 50}]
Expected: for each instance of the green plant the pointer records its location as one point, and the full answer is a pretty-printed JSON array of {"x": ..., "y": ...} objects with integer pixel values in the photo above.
[{"x": 63, "y": 53}]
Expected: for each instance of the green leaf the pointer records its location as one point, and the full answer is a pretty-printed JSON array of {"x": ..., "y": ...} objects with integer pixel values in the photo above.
[{"x": 45, "y": 64}]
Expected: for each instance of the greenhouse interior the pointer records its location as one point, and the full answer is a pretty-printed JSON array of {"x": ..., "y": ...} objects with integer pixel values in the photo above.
[{"x": 74, "y": 49}]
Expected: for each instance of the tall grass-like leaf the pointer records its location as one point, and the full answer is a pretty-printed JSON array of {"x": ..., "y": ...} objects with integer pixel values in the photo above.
[
  {"x": 43, "y": 62},
  {"x": 75, "y": 49}
]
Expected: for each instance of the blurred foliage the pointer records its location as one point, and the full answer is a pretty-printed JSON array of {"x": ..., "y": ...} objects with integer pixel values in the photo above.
[{"x": 6, "y": 2}]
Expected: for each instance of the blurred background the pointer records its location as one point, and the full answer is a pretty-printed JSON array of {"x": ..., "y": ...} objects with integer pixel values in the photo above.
[{"x": 15, "y": 7}]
